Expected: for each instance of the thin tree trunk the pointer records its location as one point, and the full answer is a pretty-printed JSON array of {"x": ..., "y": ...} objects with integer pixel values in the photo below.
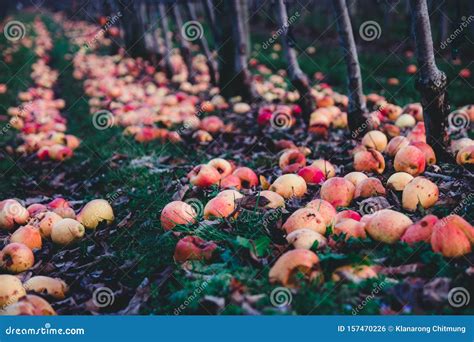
[
  {"x": 155, "y": 54},
  {"x": 298, "y": 79},
  {"x": 211, "y": 17},
  {"x": 242, "y": 73},
  {"x": 431, "y": 82},
  {"x": 167, "y": 40},
  {"x": 357, "y": 106},
  {"x": 443, "y": 24},
  {"x": 225, "y": 48},
  {"x": 246, "y": 23},
  {"x": 133, "y": 30},
  {"x": 203, "y": 44},
  {"x": 184, "y": 47}
]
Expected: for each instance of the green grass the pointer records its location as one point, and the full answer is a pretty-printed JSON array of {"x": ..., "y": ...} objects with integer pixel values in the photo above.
[{"x": 139, "y": 248}]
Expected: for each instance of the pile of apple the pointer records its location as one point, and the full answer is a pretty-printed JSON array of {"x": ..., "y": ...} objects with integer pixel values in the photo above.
[
  {"x": 451, "y": 236},
  {"x": 29, "y": 228},
  {"x": 38, "y": 116},
  {"x": 141, "y": 100},
  {"x": 85, "y": 34}
]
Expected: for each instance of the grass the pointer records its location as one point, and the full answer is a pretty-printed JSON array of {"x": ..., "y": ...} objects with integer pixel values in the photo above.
[{"x": 105, "y": 166}]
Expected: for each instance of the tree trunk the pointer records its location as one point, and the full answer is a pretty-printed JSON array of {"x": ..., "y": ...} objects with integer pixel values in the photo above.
[
  {"x": 168, "y": 45},
  {"x": 357, "y": 106},
  {"x": 203, "y": 44},
  {"x": 133, "y": 31},
  {"x": 184, "y": 47},
  {"x": 431, "y": 82},
  {"x": 298, "y": 79},
  {"x": 246, "y": 23},
  {"x": 242, "y": 73},
  {"x": 443, "y": 24},
  {"x": 225, "y": 48},
  {"x": 211, "y": 17}
]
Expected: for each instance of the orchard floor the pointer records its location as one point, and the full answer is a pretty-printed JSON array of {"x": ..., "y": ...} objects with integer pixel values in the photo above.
[{"x": 134, "y": 256}]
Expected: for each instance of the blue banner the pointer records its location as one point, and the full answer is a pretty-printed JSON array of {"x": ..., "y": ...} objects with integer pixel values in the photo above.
[{"x": 241, "y": 329}]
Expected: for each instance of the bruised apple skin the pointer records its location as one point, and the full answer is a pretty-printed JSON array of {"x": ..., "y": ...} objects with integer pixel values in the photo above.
[
  {"x": 399, "y": 180},
  {"x": 36, "y": 208},
  {"x": 30, "y": 305},
  {"x": 11, "y": 290},
  {"x": 16, "y": 258},
  {"x": 305, "y": 239},
  {"x": 351, "y": 228},
  {"x": 376, "y": 140},
  {"x": 46, "y": 224},
  {"x": 312, "y": 175},
  {"x": 95, "y": 212},
  {"x": 387, "y": 225},
  {"x": 325, "y": 209},
  {"x": 465, "y": 155},
  {"x": 420, "y": 191},
  {"x": 452, "y": 237},
  {"x": 61, "y": 207},
  {"x": 293, "y": 262},
  {"x": 12, "y": 213},
  {"x": 338, "y": 191},
  {"x": 275, "y": 200},
  {"x": 430, "y": 157},
  {"x": 193, "y": 248},
  {"x": 369, "y": 161},
  {"x": 67, "y": 231},
  {"x": 289, "y": 185},
  {"x": 53, "y": 287},
  {"x": 368, "y": 188},
  {"x": 204, "y": 176},
  {"x": 230, "y": 181},
  {"x": 420, "y": 231},
  {"x": 248, "y": 178},
  {"x": 220, "y": 207},
  {"x": 177, "y": 213},
  {"x": 29, "y": 236},
  {"x": 291, "y": 161},
  {"x": 347, "y": 214},
  {"x": 222, "y": 166},
  {"x": 355, "y": 177},
  {"x": 396, "y": 144},
  {"x": 411, "y": 160},
  {"x": 305, "y": 218},
  {"x": 326, "y": 167},
  {"x": 229, "y": 193}
]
